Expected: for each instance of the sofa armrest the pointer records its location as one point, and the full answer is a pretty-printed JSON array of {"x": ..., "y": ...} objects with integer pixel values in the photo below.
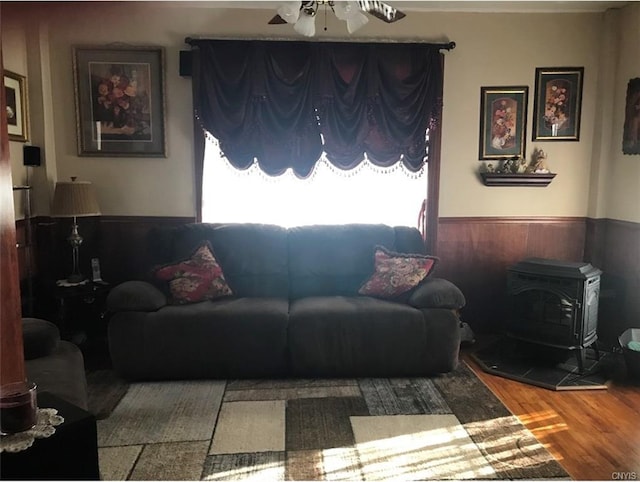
[
  {"x": 135, "y": 296},
  {"x": 437, "y": 293},
  {"x": 40, "y": 337}
]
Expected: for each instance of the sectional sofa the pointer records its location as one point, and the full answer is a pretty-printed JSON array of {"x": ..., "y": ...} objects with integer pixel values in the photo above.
[{"x": 296, "y": 302}]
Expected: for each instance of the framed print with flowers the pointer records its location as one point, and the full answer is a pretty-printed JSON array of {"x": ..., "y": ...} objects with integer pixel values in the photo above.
[
  {"x": 631, "y": 133},
  {"x": 15, "y": 89},
  {"x": 558, "y": 100},
  {"x": 503, "y": 117},
  {"x": 120, "y": 101}
]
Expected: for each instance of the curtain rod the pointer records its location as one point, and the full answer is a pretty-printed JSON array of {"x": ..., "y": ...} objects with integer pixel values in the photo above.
[{"x": 443, "y": 45}]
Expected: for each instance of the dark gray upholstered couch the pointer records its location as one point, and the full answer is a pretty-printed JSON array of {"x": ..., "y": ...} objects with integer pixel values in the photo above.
[
  {"x": 295, "y": 310},
  {"x": 55, "y": 365}
]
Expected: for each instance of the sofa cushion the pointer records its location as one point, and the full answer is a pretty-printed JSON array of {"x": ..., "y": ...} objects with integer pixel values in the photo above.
[
  {"x": 335, "y": 259},
  {"x": 437, "y": 293},
  {"x": 356, "y": 336},
  {"x": 135, "y": 295},
  {"x": 40, "y": 337},
  {"x": 197, "y": 278},
  {"x": 254, "y": 257},
  {"x": 396, "y": 273},
  {"x": 408, "y": 240},
  {"x": 228, "y": 338}
]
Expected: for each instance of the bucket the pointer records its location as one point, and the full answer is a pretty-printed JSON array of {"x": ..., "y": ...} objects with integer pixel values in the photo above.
[{"x": 631, "y": 357}]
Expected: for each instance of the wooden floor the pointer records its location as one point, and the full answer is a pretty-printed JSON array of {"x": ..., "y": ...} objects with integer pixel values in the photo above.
[{"x": 594, "y": 434}]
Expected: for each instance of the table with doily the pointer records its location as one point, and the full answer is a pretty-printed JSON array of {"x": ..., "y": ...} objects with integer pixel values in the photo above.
[
  {"x": 63, "y": 445},
  {"x": 47, "y": 419}
]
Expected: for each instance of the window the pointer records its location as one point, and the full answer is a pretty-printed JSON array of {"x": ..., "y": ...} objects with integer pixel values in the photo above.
[{"x": 366, "y": 194}]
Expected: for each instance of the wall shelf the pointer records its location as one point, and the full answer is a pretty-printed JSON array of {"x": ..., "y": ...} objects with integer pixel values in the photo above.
[{"x": 534, "y": 180}]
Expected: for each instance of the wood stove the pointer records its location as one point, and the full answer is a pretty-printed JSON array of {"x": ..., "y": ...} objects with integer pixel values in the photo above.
[{"x": 554, "y": 303}]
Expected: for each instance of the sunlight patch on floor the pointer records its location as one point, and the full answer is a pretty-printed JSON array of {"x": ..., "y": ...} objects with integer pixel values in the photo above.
[
  {"x": 261, "y": 472},
  {"x": 417, "y": 447},
  {"x": 543, "y": 422}
]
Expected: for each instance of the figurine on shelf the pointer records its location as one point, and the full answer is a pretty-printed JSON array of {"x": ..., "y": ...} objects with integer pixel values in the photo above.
[
  {"x": 538, "y": 162},
  {"x": 507, "y": 167},
  {"x": 490, "y": 168},
  {"x": 521, "y": 166}
]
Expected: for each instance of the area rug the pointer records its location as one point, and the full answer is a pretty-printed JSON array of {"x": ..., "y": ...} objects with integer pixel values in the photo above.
[
  {"x": 449, "y": 427},
  {"x": 545, "y": 367},
  {"x": 105, "y": 389}
]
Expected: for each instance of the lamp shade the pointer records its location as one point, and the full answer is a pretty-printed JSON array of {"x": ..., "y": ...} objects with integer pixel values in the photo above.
[
  {"x": 306, "y": 25},
  {"x": 74, "y": 198},
  {"x": 289, "y": 11},
  {"x": 355, "y": 21}
]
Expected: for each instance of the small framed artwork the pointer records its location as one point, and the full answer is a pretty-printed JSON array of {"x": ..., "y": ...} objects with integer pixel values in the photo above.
[
  {"x": 15, "y": 88},
  {"x": 503, "y": 117},
  {"x": 558, "y": 100},
  {"x": 631, "y": 134},
  {"x": 120, "y": 101}
]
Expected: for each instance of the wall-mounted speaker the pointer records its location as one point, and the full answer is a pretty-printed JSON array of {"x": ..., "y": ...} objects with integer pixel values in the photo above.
[
  {"x": 185, "y": 63},
  {"x": 31, "y": 156}
]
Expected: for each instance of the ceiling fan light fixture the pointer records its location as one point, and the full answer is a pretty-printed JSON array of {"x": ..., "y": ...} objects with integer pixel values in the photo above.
[
  {"x": 381, "y": 10},
  {"x": 289, "y": 11},
  {"x": 356, "y": 20},
  {"x": 342, "y": 9},
  {"x": 301, "y": 14},
  {"x": 306, "y": 25}
]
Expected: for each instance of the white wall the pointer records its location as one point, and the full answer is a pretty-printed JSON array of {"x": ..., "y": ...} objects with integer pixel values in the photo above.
[
  {"x": 623, "y": 182},
  {"x": 504, "y": 50},
  {"x": 492, "y": 49},
  {"x": 15, "y": 60}
]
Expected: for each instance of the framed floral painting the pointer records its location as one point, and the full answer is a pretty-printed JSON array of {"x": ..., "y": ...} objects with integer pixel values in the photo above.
[
  {"x": 631, "y": 134},
  {"x": 558, "y": 100},
  {"x": 15, "y": 89},
  {"x": 120, "y": 101},
  {"x": 503, "y": 117}
]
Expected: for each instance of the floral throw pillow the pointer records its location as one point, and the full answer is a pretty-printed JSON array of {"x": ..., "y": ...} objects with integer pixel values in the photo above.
[
  {"x": 396, "y": 273},
  {"x": 196, "y": 279}
]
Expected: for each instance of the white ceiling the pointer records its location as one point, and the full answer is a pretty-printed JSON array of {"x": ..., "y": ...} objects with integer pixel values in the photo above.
[
  {"x": 509, "y": 6},
  {"x": 446, "y": 5}
]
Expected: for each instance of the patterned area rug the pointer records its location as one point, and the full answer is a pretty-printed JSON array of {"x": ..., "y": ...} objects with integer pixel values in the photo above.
[
  {"x": 105, "y": 389},
  {"x": 446, "y": 427}
]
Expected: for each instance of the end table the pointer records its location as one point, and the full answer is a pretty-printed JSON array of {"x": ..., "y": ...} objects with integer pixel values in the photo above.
[
  {"x": 71, "y": 453},
  {"x": 81, "y": 309},
  {"x": 82, "y": 319}
]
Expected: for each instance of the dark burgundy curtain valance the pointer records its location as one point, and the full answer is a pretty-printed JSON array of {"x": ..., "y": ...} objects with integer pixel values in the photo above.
[{"x": 284, "y": 103}]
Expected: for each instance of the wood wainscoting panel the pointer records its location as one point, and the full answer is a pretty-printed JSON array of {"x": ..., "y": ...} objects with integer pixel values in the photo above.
[
  {"x": 614, "y": 247},
  {"x": 119, "y": 242},
  {"x": 123, "y": 245},
  {"x": 23, "y": 249},
  {"x": 475, "y": 254}
]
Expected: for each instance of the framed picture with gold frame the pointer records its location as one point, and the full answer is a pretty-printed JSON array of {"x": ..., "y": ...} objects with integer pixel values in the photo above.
[
  {"x": 558, "y": 101},
  {"x": 631, "y": 133},
  {"x": 15, "y": 89},
  {"x": 120, "y": 101},
  {"x": 503, "y": 118}
]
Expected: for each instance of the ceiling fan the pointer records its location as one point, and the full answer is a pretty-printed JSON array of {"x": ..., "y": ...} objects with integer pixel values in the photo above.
[{"x": 302, "y": 13}]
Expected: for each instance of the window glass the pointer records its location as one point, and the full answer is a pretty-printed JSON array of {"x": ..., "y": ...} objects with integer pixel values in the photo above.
[{"x": 366, "y": 194}]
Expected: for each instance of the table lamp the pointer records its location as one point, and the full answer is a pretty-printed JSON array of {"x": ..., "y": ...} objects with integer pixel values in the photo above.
[{"x": 74, "y": 199}]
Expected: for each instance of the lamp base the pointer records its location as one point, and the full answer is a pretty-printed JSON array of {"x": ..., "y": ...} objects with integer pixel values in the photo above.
[{"x": 75, "y": 278}]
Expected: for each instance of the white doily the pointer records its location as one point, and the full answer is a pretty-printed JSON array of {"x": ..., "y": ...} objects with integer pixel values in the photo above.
[{"x": 47, "y": 420}]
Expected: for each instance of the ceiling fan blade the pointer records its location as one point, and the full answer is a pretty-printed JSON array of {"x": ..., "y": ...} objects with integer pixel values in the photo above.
[
  {"x": 381, "y": 10},
  {"x": 277, "y": 20}
]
